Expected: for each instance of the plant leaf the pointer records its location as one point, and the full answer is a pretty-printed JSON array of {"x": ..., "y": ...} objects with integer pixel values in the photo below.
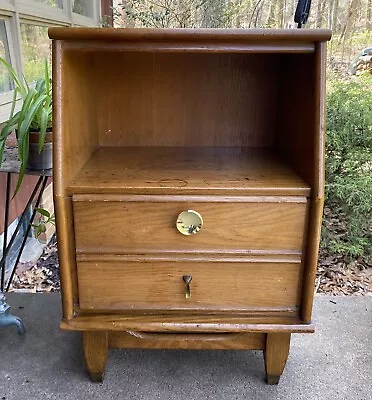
[
  {"x": 24, "y": 159},
  {"x": 9, "y": 127},
  {"x": 21, "y": 86},
  {"x": 43, "y": 211},
  {"x": 25, "y": 124},
  {"x": 27, "y": 104},
  {"x": 14, "y": 101},
  {"x": 40, "y": 86},
  {"x": 2, "y": 148},
  {"x": 46, "y": 77},
  {"x": 43, "y": 127}
]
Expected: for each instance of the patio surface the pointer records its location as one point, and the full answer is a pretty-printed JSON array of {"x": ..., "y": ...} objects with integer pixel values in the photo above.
[{"x": 47, "y": 363}]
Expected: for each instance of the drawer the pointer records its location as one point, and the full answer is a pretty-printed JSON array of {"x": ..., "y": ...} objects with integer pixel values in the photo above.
[
  {"x": 138, "y": 224},
  {"x": 116, "y": 285}
]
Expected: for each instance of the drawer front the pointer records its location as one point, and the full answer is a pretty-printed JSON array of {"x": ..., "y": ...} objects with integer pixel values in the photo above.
[
  {"x": 214, "y": 286},
  {"x": 136, "y": 224}
]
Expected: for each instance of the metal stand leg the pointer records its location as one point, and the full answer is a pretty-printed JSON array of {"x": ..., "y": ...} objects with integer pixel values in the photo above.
[
  {"x": 7, "y": 319},
  {"x": 6, "y": 222},
  {"x": 7, "y": 247},
  {"x": 38, "y": 200}
]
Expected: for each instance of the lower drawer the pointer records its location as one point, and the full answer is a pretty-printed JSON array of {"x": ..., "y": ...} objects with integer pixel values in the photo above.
[{"x": 214, "y": 286}]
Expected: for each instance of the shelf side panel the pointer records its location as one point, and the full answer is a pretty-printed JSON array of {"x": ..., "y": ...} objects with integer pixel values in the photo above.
[
  {"x": 74, "y": 123},
  {"x": 300, "y": 140}
]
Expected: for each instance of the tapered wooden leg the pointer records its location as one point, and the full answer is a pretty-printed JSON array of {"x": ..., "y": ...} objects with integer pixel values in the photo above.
[
  {"x": 276, "y": 354},
  {"x": 95, "y": 352}
]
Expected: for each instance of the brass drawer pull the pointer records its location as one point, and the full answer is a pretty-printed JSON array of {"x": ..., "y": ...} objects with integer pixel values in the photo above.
[
  {"x": 189, "y": 222},
  {"x": 187, "y": 279}
]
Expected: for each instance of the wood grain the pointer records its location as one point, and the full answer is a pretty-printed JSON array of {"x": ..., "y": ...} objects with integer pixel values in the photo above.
[
  {"x": 139, "y": 226},
  {"x": 66, "y": 253},
  {"x": 95, "y": 353},
  {"x": 161, "y": 101},
  {"x": 229, "y": 123},
  {"x": 196, "y": 341},
  {"x": 184, "y": 322},
  {"x": 299, "y": 133},
  {"x": 210, "y": 47},
  {"x": 74, "y": 125},
  {"x": 316, "y": 208},
  {"x": 254, "y": 256},
  {"x": 165, "y": 170},
  {"x": 189, "y": 35},
  {"x": 120, "y": 286},
  {"x": 276, "y": 354}
]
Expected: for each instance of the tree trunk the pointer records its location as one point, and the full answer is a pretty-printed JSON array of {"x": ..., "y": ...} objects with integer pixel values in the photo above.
[
  {"x": 280, "y": 14},
  {"x": 320, "y": 13},
  {"x": 291, "y": 10},
  {"x": 271, "y": 17},
  {"x": 334, "y": 25},
  {"x": 351, "y": 17},
  {"x": 349, "y": 25}
]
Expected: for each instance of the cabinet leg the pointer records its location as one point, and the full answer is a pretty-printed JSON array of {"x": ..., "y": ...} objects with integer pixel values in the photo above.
[
  {"x": 95, "y": 352},
  {"x": 276, "y": 354}
]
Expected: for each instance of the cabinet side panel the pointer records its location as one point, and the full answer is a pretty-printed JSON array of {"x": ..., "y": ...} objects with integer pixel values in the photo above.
[
  {"x": 74, "y": 120},
  {"x": 300, "y": 139},
  {"x": 317, "y": 201},
  {"x": 66, "y": 252}
]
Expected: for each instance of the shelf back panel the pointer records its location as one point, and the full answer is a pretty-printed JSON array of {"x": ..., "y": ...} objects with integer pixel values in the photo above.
[{"x": 152, "y": 99}]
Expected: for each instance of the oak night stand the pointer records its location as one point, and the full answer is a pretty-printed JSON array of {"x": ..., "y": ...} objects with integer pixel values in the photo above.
[{"x": 188, "y": 183}]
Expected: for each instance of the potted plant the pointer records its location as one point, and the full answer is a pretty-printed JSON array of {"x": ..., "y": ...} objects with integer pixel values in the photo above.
[{"x": 32, "y": 123}]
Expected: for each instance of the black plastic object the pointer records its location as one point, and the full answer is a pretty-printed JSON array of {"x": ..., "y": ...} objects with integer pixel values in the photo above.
[{"x": 302, "y": 12}]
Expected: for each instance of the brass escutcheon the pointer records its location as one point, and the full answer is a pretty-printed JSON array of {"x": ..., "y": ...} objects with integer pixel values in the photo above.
[
  {"x": 189, "y": 222},
  {"x": 187, "y": 279}
]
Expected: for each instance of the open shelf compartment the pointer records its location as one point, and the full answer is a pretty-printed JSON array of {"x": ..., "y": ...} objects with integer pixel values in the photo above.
[{"x": 185, "y": 170}]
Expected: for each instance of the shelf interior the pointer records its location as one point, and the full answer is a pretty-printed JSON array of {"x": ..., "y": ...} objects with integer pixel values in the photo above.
[{"x": 188, "y": 170}]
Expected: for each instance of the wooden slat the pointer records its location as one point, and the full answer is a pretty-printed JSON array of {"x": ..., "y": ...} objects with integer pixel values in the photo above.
[
  {"x": 66, "y": 253},
  {"x": 251, "y": 46},
  {"x": 251, "y": 256},
  {"x": 318, "y": 178},
  {"x": 186, "y": 323},
  {"x": 190, "y": 35},
  {"x": 224, "y": 341}
]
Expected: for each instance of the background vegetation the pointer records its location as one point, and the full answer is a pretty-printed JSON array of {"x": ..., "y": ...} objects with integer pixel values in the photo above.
[
  {"x": 350, "y": 20},
  {"x": 347, "y": 227}
]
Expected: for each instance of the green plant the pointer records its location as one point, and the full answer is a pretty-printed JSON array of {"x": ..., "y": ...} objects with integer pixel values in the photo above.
[
  {"x": 35, "y": 114},
  {"x": 45, "y": 218},
  {"x": 347, "y": 229}
]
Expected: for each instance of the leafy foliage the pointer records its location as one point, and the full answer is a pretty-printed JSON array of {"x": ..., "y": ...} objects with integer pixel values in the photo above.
[
  {"x": 349, "y": 167},
  {"x": 45, "y": 217},
  {"x": 35, "y": 114}
]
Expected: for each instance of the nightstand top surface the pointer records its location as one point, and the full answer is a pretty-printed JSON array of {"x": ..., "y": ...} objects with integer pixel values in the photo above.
[{"x": 189, "y": 35}]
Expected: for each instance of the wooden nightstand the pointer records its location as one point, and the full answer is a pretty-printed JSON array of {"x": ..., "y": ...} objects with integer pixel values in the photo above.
[{"x": 188, "y": 182}]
